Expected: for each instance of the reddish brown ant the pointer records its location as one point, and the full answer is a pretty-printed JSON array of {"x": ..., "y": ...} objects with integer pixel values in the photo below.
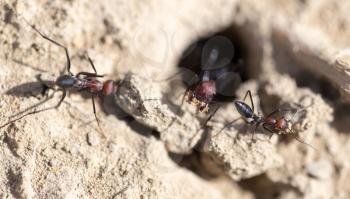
[
  {"x": 271, "y": 123},
  {"x": 83, "y": 81},
  {"x": 202, "y": 92}
]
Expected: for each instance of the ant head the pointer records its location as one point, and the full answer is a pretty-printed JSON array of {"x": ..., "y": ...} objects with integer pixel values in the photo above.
[
  {"x": 66, "y": 81},
  {"x": 109, "y": 87},
  {"x": 203, "y": 94},
  {"x": 282, "y": 124}
]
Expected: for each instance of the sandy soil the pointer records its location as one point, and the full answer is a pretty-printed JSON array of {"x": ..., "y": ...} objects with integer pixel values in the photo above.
[{"x": 292, "y": 53}]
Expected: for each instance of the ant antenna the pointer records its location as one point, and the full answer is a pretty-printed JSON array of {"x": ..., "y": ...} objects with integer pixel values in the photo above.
[
  {"x": 227, "y": 125},
  {"x": 296, "y": 137},
  {"x": 68, "y": 65},
  {"x": 40, "y": 110}
]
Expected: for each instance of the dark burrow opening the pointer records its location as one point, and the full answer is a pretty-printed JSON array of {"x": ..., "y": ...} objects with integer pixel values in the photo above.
[{"x": 223, "y": 54}]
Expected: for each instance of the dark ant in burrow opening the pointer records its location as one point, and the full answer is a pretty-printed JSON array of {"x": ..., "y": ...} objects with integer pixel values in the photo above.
[
  {"x": 211, "y": 76},
  {"x": 271, "y": 123},
  {"x": 217, "y": 75},
  {"x": 82, "y": 81},
  {"x": 212, "y": 80},
  {"x": 202, "y": 92}
]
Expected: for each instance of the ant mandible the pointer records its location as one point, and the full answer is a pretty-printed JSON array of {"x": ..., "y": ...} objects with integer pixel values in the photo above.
[
  {"x": 83, "y": 81},
  {"x": 271, "y": 123}
]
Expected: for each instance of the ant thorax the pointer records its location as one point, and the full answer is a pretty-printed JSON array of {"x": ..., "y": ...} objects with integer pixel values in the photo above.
[
  {"x": 258, "y": 119},
  {"x": 255, "y": 119},
  {"x": 202, "y": 95},
  {"x": 94, "y": 86},
  {"x": 79, "y": 83}
]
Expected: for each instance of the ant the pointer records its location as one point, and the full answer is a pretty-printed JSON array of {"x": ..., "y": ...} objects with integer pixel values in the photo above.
[
  {"x": 271, "y": 123},
  {"x": 217, "y": 77},
  {"x": 203, "y": 88},
  {"x": 82, "y": 81},
  {"x": 202, "y": 93},
  {"x": 208, "y": 85}
]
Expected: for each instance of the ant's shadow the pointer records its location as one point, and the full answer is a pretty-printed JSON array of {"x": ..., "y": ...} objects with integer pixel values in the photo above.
[{"x": 29, "y": 89}]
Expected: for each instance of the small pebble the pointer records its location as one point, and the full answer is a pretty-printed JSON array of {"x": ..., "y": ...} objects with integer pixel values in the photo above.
[
  {"x": 321, "y": 169},
  {"x": 93, "y": 139}
]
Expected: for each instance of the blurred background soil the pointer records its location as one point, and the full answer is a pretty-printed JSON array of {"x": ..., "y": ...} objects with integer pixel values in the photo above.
[{"x": 292, "y": 52}]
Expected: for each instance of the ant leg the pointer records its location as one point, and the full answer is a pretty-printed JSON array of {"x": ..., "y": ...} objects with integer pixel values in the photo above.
[
  {"x": 227, "y": 125},
  {"x": 246, "y": 94},
  {"x": 181, "y": 104},
  {"x": 92, "y": 64},
  {"x": 33, "y": 106},
  {"x": 255, "y": 128},
  {"x": 94, "y": 109},
  {"x": 44, "y": 93},
  {"x": 272, "y": 113},
  {"x": 87, "y": 74},
  {"x": 269, "y": 130},
  {"x": 194, "y": 77},
  {"x": 211, "y": 116},
  {"x": 64, "y": 93},
  {"x": 56, "y": 43},
  {"x": 206, "y": 121},
  {"x": 250, "y": 97},
  {"x": 96, "y": 118}
]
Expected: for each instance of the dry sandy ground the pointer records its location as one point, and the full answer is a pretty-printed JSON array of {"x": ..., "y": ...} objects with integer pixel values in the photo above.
[{"x": 293, "y": 52}]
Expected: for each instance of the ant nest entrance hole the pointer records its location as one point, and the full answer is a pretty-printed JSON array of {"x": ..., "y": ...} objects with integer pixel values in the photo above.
[
  {"x": 229, "y": 55},
  {"x": 231, "y": 52}
]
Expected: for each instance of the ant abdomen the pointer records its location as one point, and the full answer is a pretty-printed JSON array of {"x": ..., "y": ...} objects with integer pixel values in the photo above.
[{"x": 244, "y": 109}]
